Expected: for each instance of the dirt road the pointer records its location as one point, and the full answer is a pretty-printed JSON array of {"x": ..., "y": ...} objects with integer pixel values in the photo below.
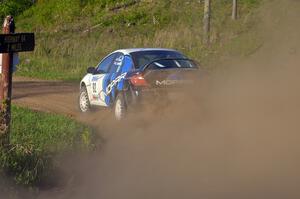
[
  {"x": 50, "y": 96},
  {"x": 53, "y": 96}
]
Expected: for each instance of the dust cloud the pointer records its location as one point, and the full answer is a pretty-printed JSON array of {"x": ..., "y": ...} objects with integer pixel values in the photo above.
[{"x": 238, "y": 137}]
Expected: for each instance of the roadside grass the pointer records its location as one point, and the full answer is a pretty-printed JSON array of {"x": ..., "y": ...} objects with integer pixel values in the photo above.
[
  {"x": 13, "y": 7},
  {"x": 72, "y": 35},
  {"x": 37, "y": 139}
]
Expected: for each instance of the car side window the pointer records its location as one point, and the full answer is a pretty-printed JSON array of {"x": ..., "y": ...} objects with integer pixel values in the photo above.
[
  {"x": 117, "y": 63},
  {"x": 104, "y": 65}
]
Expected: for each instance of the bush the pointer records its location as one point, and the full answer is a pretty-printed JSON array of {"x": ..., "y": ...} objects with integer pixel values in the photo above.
[
  {"x": 36, "y": 140},
  {"x": 27, "y": 164}
]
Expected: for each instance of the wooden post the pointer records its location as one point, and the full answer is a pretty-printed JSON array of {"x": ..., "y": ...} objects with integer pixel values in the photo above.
[
  {"x": 206, "y": 21},
  {"x": 6, "y": 86},
  {"x": 234, "y": 10}
]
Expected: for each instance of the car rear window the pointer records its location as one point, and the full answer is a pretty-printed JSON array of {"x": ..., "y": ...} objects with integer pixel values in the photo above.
[
  {"x": 142, "y": 58},
  {"x": 171, "y": 63}
]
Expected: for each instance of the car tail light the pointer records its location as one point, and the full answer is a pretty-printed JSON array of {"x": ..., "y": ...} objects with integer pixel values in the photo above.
[{"x": 138, "y": 80}]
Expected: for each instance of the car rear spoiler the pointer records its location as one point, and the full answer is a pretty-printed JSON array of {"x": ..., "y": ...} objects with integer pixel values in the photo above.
[{"x": 175, "y": 59}]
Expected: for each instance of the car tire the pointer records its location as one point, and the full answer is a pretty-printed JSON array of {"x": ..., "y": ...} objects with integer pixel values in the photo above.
[
  {"x": 84, "y": 102},
  {"x": 120, "y": 107}
]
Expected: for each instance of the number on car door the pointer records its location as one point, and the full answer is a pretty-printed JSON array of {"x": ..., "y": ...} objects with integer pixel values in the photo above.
[{"x": 99, "y": 81}]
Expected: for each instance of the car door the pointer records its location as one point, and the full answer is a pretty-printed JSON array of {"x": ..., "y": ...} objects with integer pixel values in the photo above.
[
  {"x": 99, "y": 81},
  {"x": 115, "y": 77},
  {"x": 119, "y": 68}
]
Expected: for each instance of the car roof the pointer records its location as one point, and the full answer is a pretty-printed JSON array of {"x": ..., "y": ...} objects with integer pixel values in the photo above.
[{"x": 131, "y": 50}]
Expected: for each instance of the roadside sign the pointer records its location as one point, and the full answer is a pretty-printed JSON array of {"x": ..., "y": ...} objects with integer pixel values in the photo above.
[
  {"x": 10, "y": 45},
  {"x": 1, "y": 62},
  {"x": 19, "y": 42}
]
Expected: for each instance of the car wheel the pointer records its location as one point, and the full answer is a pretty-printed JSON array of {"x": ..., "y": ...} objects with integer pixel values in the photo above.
[
  {"x": 120, "y": 107},
  {"x": 84, "y": 103}
]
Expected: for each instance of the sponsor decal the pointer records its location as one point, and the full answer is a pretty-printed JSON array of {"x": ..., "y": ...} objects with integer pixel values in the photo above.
[
  {"x": 96, "y": 97},
  {"x": 114, "y": 82},
  {"x": 169, "y": 82},
  {"x": 119, "y": 60},
  {"x": 159, "y": 65},
  {"x": 95, "y": 78},
  {"x": 94, "y": 84}
]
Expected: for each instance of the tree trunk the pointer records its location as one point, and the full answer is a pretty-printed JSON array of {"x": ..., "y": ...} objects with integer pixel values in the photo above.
[
  {"x": 234, "y": 10},
  {"x": 206, "y": 21}
]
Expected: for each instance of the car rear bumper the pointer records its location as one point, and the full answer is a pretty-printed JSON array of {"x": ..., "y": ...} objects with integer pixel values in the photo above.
[{"x": 156, "y": 96}]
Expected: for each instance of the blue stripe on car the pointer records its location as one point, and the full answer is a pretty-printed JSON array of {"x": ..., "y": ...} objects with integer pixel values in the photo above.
[{"x": 127, "y": 66}]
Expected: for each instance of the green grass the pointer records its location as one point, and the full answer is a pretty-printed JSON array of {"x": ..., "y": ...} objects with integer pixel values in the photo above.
[
  {"x": 74, "y": 34},
  {"x": 37, "y": 139},
  {"x": 13, "y": 7}
]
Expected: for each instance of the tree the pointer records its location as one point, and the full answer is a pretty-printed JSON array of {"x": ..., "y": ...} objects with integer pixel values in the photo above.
[
  {"x": 206, "y": 21},
  {"x": 234, "y": 9}
]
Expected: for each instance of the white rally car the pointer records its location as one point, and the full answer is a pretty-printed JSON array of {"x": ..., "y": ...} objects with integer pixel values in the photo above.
[{"x": 128, "y": 77}]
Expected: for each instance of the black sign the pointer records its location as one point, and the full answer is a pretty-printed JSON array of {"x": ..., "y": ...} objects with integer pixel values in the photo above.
[{"x": 18, "y": 42}]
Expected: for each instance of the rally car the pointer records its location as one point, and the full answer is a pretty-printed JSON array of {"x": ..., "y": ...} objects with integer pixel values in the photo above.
[{"x": 130, "y": 77}]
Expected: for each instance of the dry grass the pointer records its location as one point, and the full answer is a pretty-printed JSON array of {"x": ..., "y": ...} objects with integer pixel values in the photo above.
[{"x": 67, "y": 50}]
